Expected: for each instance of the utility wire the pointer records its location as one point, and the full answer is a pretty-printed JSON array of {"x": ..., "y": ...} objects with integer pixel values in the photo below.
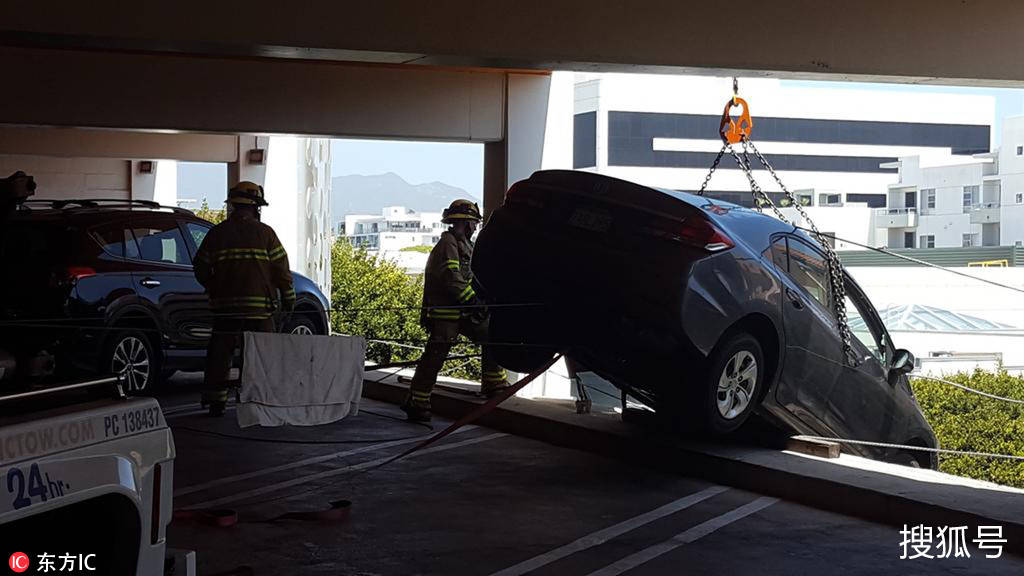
[
  {"x": 968, "y": 389},
  {"x": 919, "y": 262}
]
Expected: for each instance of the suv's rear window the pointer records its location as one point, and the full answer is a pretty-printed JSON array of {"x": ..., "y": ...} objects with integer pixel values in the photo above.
[{"x": 33, "y": 245}]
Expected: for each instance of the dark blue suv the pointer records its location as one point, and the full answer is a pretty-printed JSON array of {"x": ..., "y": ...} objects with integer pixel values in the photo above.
[{"x": 100, "y": 285}]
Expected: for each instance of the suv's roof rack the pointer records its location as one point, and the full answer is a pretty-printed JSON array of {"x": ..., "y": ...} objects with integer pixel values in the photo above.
[
  {"x": 92, "y": 202},
  {"x": 74, "y": 203}
]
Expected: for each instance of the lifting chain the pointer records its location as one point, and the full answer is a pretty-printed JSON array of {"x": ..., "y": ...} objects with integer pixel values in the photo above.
[{"x": 835, "y": 266}]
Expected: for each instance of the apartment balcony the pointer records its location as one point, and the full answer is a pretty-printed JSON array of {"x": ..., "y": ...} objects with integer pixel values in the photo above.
[
  {"x": 985, "y": 213},
  {"x": 896, "y": 217}
]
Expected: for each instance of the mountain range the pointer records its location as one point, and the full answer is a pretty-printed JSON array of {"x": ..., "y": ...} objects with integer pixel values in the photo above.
[{"x": 357, "y": 194}]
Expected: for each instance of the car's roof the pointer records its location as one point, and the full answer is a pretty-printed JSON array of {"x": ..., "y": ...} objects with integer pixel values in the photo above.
[{"x": 94, "y": 209}]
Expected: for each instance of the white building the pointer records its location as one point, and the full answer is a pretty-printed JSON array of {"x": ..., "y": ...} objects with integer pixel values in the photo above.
[
  {"x": 395, "y": 228},
  {"x": 945, "y": 202},
  {"x": 662, "y": 130}
]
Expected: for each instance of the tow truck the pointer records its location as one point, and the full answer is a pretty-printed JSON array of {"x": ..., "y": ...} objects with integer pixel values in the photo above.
[
  {"x": 86, "y": 478},
  {"x": 86, "y": 472}
]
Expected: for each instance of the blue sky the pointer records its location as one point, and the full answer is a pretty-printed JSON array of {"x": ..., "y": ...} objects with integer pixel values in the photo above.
[{"x": 456, "y": 164}]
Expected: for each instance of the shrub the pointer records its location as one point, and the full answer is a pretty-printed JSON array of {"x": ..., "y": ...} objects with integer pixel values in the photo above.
[
  {"x": 373, "y": 297},
  {"x": 969, "y": 422}
]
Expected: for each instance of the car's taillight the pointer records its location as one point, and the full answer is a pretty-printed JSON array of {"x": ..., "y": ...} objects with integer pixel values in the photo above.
[
  {"x": 79, "y": 272},
  {"x": 699, "y": 232},
  {"x": 694, "y": 231}
]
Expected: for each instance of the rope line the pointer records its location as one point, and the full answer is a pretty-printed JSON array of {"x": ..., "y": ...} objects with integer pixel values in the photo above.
[{"x": 912, "y": 447}]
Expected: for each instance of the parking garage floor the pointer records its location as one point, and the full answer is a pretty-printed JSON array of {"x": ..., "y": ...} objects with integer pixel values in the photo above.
[{"x": 484, "y": 502}]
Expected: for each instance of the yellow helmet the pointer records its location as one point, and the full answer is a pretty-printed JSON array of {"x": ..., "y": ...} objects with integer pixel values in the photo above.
[
  {"x": 461, "y": 210},
  {"x": 246, "y": 192}
]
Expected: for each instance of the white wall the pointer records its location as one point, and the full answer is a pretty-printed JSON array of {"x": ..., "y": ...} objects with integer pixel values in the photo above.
[
  {"x": 852, "y": 221},
  {"x": 281, "y": 190},
  {"x": 72, "y": 177}
]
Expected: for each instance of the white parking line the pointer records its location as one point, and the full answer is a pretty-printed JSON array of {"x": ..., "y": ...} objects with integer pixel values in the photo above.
[
  {"x": 305, "y": 462},
  {"x": 693, "y": 534},
  {"x": 336, "y": 471},
  {"x": 602, "y": 536}
]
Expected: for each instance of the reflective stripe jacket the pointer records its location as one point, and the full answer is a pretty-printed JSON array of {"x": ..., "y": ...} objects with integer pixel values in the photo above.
[
  {"x": 448, "y": 280},
  {"x": 243, "y": 267}
]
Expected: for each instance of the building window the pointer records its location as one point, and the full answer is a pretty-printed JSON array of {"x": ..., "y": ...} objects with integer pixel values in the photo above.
[
  {"x": 908, "y": 239},
  {"x": 928, "y": 241},
  {"x": 929, "y": 198},
  {"x": 1020, "y": 198},
  {"x": 970, "y": 194},
  {"x": 1020, "y": 150},
  {"x": 968, "y": 240},
  {"x": 1019, "y": 243},
  {"x": 910, "y": 200}
]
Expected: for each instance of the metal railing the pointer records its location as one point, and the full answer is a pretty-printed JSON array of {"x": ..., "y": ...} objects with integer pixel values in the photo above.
[{"x": 895, "y": 211}]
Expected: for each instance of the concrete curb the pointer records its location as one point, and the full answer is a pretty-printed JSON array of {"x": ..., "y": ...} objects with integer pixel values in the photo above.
[{"x": 826, "y": 485}]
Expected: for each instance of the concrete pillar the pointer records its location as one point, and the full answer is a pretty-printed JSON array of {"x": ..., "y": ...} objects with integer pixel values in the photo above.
[
  {"x": 298, "y": 187},
  {"x": 160, "y": 184},
  {"x": 495, "y": 179},
  {"x": 244, "y": 168},
  {"x": 538, "y": 135},
  {"x": 525, "y": 124}
]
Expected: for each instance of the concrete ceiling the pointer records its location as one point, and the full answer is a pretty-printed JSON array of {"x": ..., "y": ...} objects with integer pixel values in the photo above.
[{"x": 933, "y": 41}]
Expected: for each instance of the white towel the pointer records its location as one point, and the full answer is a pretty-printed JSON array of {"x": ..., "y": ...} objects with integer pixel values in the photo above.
[{"x": 300, "y": 380}]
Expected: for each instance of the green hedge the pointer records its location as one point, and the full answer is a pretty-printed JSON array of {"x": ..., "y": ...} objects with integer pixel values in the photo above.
[
  {"x": 375, "y": 298},
  {"x": 966, "y": 421}
]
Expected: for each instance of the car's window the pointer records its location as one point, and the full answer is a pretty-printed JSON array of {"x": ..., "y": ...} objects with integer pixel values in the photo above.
[
  {"x": 779, "y": 257},
  {"x": 131, "y": 247},
  {"x": 864, "y": 325},
  {"x": 808, "y": 269},
  {"x": 162, "y": 243},
  {"x": 111, "y": 239},
  {"x": 198, "y": 232}
]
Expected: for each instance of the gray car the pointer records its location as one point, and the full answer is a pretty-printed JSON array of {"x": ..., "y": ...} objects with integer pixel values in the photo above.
[{"x": 695, "y": 306}]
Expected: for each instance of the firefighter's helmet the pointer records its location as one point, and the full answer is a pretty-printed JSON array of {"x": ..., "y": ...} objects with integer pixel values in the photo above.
[
  {"x": 246, "y": 192},
  {"x": 461, "y": 210}
]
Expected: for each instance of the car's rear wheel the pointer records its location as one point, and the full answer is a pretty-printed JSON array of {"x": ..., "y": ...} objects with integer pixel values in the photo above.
[
  {"x": 132, "y": 356},
  {"x": 730, "y": 388},
  {"x": 301, "y": 324}
]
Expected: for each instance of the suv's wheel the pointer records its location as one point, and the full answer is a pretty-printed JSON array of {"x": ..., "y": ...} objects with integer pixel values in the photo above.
[
  {"x": 300, "y": 323},
  {"x": 731, "y": 387},
  {"x": 132, "y": 356}
]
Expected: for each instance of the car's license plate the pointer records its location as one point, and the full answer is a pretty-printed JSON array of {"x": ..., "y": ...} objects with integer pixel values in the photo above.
[{"x": 590, "y": 220}]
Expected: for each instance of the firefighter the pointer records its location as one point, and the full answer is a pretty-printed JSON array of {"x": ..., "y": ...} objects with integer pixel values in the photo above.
[
  {"x": 451, "y": 307},
  {"x": 244, "y": 269}
]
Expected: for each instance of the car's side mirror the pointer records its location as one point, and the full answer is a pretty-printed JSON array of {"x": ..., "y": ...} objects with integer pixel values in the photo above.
[{"x": 903, "y": 362}]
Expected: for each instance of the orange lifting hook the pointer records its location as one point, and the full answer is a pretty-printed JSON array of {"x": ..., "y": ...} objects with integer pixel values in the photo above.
[{"x": 733, "y": 131}]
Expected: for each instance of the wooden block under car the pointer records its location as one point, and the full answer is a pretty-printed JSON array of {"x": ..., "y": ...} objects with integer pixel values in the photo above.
[{"x": 819, "y": 448}]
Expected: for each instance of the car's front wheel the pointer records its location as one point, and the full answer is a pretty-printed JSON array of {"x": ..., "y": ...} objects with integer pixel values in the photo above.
[
  {"x": 131, "y": 355},
  {"x": 730, "y": 388}
]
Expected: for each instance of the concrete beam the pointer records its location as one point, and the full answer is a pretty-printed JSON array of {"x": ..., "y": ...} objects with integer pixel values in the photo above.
[
  {"x": 854, "y": 39},
  {"x": 163, "y": 92},
  {"x": 73, "y": 143}
]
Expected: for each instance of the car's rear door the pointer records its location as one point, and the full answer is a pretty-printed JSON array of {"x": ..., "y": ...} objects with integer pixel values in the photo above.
[
  {"x": 163, "y": 277},
  {"x": 813, "y": 352}
]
